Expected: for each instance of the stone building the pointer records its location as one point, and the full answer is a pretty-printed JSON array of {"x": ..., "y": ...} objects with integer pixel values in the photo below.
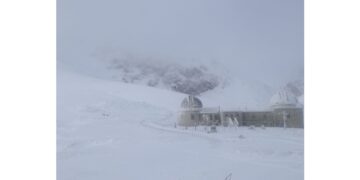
[{"x": 283, "y": 112}]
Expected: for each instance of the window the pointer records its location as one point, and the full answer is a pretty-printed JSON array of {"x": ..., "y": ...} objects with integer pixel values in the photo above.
[{"x": 192, "y": 117}]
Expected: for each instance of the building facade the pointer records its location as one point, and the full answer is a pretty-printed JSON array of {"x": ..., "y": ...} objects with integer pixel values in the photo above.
[{"x": 283, "y": 113}]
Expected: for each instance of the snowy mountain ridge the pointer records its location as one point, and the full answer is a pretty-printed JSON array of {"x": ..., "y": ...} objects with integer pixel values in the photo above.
[
  {"x": 192, "y": 80},
  {"x": 209, "y": 80}
]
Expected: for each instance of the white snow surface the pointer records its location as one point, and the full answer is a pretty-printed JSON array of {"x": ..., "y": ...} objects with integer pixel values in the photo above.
[{"x": 111, "y": 130}]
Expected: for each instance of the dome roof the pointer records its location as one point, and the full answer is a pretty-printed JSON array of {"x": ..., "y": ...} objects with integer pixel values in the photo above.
[
  {"x": 283, "y": 98},
  {"x": 191, "y": 102}
]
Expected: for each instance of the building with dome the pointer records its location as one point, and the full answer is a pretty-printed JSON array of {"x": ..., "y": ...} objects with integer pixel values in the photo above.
[
  {"x": 283, "y": 99},
  {"x": 283, "y": 112},
  {"x": 191, "y": 102},
  {"x": 191, "y": 111}
]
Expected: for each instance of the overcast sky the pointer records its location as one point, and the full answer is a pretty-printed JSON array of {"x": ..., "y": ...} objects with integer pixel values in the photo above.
[{"x": 259, "y": 39}]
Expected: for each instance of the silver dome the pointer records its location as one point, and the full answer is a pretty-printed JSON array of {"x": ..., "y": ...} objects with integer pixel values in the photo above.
[
  {"x": 284, "y": 99},
  {"x": 191, "y": 102}
]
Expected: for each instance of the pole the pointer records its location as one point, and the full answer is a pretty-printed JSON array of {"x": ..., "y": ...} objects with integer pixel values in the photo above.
[{"x": 284, "y": 118}]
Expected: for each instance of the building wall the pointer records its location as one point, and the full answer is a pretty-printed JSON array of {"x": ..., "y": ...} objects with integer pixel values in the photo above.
[
  {"x": 295, "y": 117},
  {"x": 211, "y": 119},
  {"x": 255, "y": 118},
  {"x": 235, "y": 115},
  {"x": 189, "y": 118},
  {"x": 264, "y": 118}
]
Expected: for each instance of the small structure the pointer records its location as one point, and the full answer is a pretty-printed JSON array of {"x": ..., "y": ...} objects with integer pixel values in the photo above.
[{"x": 212, "y": 129}]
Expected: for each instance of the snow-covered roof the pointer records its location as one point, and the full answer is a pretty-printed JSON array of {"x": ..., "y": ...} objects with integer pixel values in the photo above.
[
  {"x": 283, "y": 98},
  {"x": 191, "y": 102}
]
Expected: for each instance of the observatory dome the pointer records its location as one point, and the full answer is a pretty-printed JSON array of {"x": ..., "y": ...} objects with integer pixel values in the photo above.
[
  {"x": 191, "y": 102},
  {"x": 283, "y": 99}
]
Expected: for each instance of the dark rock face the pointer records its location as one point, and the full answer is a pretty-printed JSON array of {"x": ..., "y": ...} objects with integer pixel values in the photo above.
[
  {"x": 188, "y": 80},
  {"x": 195, "y": 87}
]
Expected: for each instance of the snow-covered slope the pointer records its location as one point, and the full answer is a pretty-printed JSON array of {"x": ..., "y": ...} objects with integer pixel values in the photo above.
[
  {"x": 107, "y": 129},
  {"x": 213, "y": 83}
]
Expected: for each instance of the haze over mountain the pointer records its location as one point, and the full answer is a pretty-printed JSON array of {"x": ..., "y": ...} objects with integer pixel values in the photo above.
[{"x": 252, "y": 41}]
